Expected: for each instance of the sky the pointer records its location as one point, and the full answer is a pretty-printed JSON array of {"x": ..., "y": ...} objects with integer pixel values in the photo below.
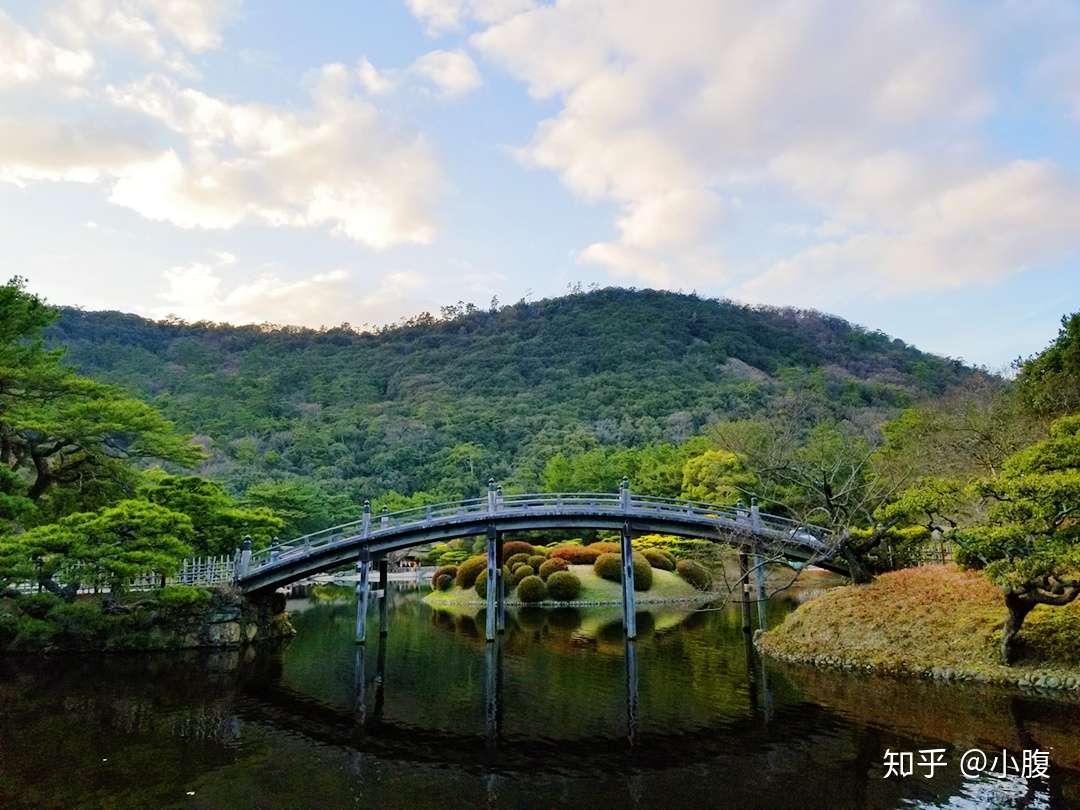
[{"x": 911, "y": 166}]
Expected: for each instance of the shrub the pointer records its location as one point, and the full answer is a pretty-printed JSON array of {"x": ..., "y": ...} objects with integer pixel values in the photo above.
[
  {"x": 532, "y": 589},
  {"x": 576, "y": 555},
  {"x": 83, "y": 619},
  {"x": 551, "y": 566},
  {"x": 481, "y": 582},
  {"x": 9, "y": 626},
  {"x": 513, "y": 547},
  {"x": 520, "y": 573},
  {"x": 469, "y": 570},
  {"x": 541, "y": 551},
  {"x": 182, "y": 598},
  {"x": 609, "y": 566},
  {"x": 443, "y": 570},
  {"x": 445, "y": 582},
  {"x": 37, "y": 605},
  {"x": 536, "y": 560},
  {"x": 33, "y": 634},
  {"x": 453, "y": 557},
  {"x": 516, "y": 560},
  {"x": 563, "y": 586},
  {"x": 695, "y": 573},
  {"x": 659, "y": 559},
  {"x": 606, "y": 548}
]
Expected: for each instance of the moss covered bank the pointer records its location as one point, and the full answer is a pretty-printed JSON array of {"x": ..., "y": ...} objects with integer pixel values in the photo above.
[
  {"x": 174, "y": 618},
  {"x": 934, "y": 622}
]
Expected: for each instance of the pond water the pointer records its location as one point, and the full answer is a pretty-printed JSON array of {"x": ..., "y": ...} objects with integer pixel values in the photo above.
[{"x": 554, "y": 715}]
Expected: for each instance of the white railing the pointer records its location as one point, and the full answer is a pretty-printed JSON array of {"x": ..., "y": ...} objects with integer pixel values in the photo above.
[{"x": 193, "y": 571}]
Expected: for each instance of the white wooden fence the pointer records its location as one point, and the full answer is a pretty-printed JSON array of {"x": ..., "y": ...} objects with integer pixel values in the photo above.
[{"x": 193, "y": 571}]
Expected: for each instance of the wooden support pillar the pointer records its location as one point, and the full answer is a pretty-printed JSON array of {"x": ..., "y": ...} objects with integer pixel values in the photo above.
[
  {"x": 759, "y": 565},
  {"x": 492, "y": 581},
  {"x": 492, "y": 680},
  {"x": 500, "y": 592},
  {"x": 628, "y": 599},
  {"x": 384, "y": 597},
  {"x": 363, "y": 587},
  {"x": 744, "y": 582}
]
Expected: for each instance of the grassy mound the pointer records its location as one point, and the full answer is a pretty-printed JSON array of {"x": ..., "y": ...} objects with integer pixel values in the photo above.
[{"x": 937, "y": 621}]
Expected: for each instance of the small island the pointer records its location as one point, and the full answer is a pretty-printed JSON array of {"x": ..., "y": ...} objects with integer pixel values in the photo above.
[{"x": 572, "y": 574}]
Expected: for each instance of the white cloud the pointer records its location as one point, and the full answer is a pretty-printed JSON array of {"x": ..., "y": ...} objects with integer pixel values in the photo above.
[
  {"x": 157, "y": 30},
  {"x": 26, "y": 58},
  {"x": 868, "y": 114},
  {"x": 335, "y": 165},
  {"x": 440, "y": 16},
  {"x": 201, "y": 290},
  {"x": 453, "y": 73}
]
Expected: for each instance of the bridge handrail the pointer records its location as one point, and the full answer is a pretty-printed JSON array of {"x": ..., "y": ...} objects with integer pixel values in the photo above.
[{"x": 604, "y": 501}]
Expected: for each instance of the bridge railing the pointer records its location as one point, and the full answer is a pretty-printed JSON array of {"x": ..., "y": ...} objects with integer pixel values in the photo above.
[{"x": 727, "y": 517}]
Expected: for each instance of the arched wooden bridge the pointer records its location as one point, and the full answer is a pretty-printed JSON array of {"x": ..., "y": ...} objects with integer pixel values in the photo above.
[{"x": 368, "y": 539}]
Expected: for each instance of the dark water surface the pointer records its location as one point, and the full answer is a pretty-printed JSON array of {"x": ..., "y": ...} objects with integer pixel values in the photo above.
[{"x": 555, "y": 715}]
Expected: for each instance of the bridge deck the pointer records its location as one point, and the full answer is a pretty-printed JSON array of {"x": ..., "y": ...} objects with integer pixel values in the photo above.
[{"x": 339, "y": 546}]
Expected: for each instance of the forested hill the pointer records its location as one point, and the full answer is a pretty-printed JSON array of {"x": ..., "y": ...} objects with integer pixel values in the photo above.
[{"x": 439, "y": 404}]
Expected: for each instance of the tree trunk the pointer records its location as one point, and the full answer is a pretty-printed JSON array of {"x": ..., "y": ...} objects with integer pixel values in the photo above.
[
  {"x": 1018, "y": 608},
  {"x": 860, "y": 572}
]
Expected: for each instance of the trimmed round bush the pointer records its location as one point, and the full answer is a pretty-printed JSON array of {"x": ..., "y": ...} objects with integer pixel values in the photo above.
[
  {"x": 447, "y": 570},
  {"x": 659, "y": 559},
  {"x": 532, "y": 589},
  {"x": 695, "y": 573},
  {"x": 576, "y": 555},
  {"x": 551, "y": 566},
  {"x": 605, "y": 547},
  {"x": 609, "y": 566},
  {"x": 180, "y": 599},
  {"x": 520, "y": 573},
  {"x": 469, "y": 570},
  {"x": 513, "y": 547},
  {"x": 536, "y": 560},
  {"x": 563, "y": 586},
  {"x": 481, "y": 582},
  {"x": 445, "y": 582},
  {"x": 517, "y": 559}
]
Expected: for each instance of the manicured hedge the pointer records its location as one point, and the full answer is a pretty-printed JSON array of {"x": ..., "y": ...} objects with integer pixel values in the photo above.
[
  {"x": 481, "y": 582},
  {"x": 512, "y": 547},
  {"x": 659, "y": 559},
  {"x": 517, "y": 559},
  {"x": 563, "y": 586},
  {"x": 695, "y": 573},
  {"x": 606, "y": 548},
  {"x": 551, "y": 566},
  {"x": 536, "y": 560},
  {"x": 576, "y": 555},
  {"x": 469, "y": 570},
  {"x": 448, "y": 570},
  {"x": 520, "y": 573},
  {"x": 609, "y": 566},
  {"x": 532, "y": 589},
  {"x": 445, "y": 582}
]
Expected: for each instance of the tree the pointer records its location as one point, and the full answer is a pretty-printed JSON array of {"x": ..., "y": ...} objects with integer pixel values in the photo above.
[
  {"x": 107, "y": 547},
  {"x": 717, "y": 476},
  {"x": 218, "y": 522},
  {"x": 60, "y": 429},
  {"x": 1030, "y": 542},
  {"x": 1049, "y": 383}
]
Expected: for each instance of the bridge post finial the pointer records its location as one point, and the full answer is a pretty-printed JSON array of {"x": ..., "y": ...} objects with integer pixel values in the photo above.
[
  {"x": 384, "y": 518},
  {"x": 245, "y": 557},
  {"x": 365, "y": 521},
  {"x": 755, "y": 516},
  {"x": 492, "y": 494},
  {"x": 624, "y": 493}
]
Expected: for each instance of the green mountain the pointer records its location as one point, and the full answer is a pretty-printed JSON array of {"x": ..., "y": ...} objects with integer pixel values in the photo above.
[{"x": 439, "y": 404}]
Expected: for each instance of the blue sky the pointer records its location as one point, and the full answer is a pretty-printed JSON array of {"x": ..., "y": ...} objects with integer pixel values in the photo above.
[{"x": 911, "y": 166}]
